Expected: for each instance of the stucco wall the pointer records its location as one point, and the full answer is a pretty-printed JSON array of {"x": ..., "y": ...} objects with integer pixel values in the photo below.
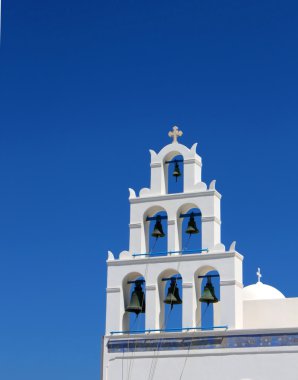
[
  {"x": 211, "y": 356},
  {"x": 270, "y": 313}
]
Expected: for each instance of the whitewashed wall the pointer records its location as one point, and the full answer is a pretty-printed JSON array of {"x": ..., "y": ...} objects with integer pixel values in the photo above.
[{"x": 271, "y": 313}]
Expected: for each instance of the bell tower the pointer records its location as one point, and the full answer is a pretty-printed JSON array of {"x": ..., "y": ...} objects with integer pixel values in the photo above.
[{"x": 137, "y": 278}]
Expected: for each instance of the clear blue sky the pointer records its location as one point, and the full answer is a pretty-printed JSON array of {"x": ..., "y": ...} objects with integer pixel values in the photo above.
[{"x": 86, "y": 88}]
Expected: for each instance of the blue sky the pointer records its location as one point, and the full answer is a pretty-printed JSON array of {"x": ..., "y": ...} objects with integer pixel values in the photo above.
[{"x": 86, "y": 88}]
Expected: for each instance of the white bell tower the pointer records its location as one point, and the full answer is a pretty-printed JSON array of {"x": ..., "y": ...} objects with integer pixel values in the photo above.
[
  {"x": 254, "y": 330},
  {"x": 138, "y": 261}
]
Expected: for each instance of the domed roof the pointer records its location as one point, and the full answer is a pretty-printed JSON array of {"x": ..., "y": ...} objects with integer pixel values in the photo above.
[{"x": 260, "y": 291}]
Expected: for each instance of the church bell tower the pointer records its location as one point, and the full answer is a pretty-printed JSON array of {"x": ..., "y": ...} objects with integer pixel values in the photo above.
[
  {"x": 137, "y": 280},
  {"x": 251, "y": 333}
]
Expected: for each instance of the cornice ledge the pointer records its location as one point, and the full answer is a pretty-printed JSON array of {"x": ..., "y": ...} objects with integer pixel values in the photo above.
[
  {"x": 175, "y": 258},
  {"x": 135, "y": 225},
  {"x": 150, "y": 287},
  {"x": 192, "y": 161},
  {"x": 113, "y": 290},
  {"x": 156, "y": 165},
  {"x": 214, "y": 333},
  {"x": 187, "y": 285},
  {"x": 231, "y": 282},
  {"x": 211, "y": 219},
  {"x": 162, "y": 197}
]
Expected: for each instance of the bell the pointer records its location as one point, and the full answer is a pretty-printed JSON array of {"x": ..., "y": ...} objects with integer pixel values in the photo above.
[
  {"x": 137, "y": 300},
  {"x": 173, "y": 297},
  {"x": 208, "y": 295},
  {"x": 176, "y": 172},
  {"x": 192, "y": 226},
  {"x": 158, "y": 231}
]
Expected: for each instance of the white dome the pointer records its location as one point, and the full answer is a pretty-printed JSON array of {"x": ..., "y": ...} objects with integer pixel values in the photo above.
[{"x": 260, "y": 291}]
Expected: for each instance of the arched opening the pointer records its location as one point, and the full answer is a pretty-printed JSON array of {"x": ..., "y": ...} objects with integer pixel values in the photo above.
[
  {"x": 207, "y": 281},
  {"x": 156, "y": 230},
  {"x": 170, "y": 297},
  {"x": 134, "y": 293},
  {"x": 174, "y": 173},
  {"x": 190, "y": 228}
]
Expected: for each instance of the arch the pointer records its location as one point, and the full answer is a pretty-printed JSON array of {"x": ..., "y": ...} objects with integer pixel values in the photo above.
[
  {"x": 167, "y": 317},
  {"x": 178, "y": 148},
  {"x": 192, "y": 164},
  {"x": 206, "y": 316},
  {"x": 173, "y": 186},
  {"x": 196, "y": 242},
  {"x": 127, "y": 291},
  {"x": 149, "y": 225}
]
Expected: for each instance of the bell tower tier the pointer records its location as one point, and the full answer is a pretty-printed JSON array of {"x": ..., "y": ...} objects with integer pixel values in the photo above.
[
  {"x": 207, "y": 201},
  {"x": 227, "y": 312},
  {"x": 195, "y": 195}
]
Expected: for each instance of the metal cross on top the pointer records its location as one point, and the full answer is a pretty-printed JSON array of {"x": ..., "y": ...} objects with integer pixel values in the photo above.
[
  {"x": 259, "y": 275},
  {"x": 175, "y": 134}
]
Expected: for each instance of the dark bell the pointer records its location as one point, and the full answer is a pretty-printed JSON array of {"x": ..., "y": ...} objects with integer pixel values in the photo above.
[
  {"x": 158, "y": 231},
  {"x": 173, "y": 297},
  {"x": 176, "y": 172},
  {"x": 208, "y": 295},
  {"x": 192, "y": 226},
  {"x": 137, "y": 300}
]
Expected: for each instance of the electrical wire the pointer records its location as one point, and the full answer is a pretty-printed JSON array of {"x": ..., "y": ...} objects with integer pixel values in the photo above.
[
  {"x": 154, "y": 360},
  {"x": 155, "y": 357},
  {"x": 132, "y": 326},
  {"x": 131, "y": 362},
  {"x": 190, "y": 343}
]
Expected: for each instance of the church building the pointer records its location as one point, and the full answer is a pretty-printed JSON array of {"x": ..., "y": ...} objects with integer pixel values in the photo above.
[{"x": 176, "y": 307}]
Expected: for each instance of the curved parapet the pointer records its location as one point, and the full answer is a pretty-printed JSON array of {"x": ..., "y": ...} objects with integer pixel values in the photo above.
[
  {"x": 110, "y": 256},
  {"x": 200, "y": 186},
  {"x": 232, "y": 247},
  {"x": 218, "y": 248},
  {"x": 145, "y": 192},
  {"x": 132, "y": 193},
  {"x": 125, "y": 255},
  {"x": 212, "y": 185}
]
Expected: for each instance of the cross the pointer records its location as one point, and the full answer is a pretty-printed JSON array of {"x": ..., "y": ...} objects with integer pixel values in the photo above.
[
  {"x": 175, "y": 134},
  {"x": 259, "y": 275}
]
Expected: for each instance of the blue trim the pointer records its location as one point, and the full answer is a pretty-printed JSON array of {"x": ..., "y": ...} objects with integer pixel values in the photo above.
[{"x": 202, "y": 343}]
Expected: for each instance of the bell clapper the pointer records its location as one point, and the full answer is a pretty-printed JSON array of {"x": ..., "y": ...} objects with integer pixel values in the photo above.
[{"x": 176, "y": 172}]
